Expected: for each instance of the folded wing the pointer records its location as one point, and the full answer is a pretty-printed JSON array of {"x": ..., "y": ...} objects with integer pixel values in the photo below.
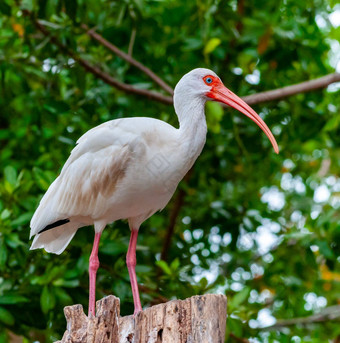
[{"x": 89, "y": 177}]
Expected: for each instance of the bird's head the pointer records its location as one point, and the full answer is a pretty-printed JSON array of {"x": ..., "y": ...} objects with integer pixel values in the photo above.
[{"x": 205, "y": 84}]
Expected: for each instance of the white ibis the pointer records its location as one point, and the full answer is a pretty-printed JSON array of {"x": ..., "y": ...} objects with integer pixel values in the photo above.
[{"x": 129, "y": 169}]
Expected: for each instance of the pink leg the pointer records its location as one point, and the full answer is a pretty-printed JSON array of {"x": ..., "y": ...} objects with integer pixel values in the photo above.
[
  {"x": 93, "y": 267},
  {"x": 131, "y": 264}
]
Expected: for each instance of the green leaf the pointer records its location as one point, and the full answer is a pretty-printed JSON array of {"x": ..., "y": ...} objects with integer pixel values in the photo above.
[
  {"x": 120, "y": 288},
  {"x": 192, "y": 44},
  {"x": 10, "y": 175},
  {"x": 212, "y": 44},
  {"x": 325, "y": 249},
  {"x": 112, "y": 248},
  {"x": 239, "y": 298},
  {"x": 332, "y": 124},
  {"x": 23, "y": 219},
  {"x": 5, "y": 214},
  {"x": 12, "y": 299},
  {"x": 175, "y": 264},
  {"x": 13, "y": 240},
  {"x": 47, "y": 299},
  {"x": 3, "y": 253},
  {"x": 66, "y": 283},
  {"x": 291, "y": 280},
  {"x": 142, "y": 268},
  {"x": 234, "y": 325},
  {"x": 164, "y": 266},
  {"x": 4, "y": 337},
  {"x": 63, "y": 296},
  {"x": 5, "y": 8},
  {"x": 44, "y": 179},
  {"x": 27, "y": 4},
  {"x": 214, "y": 115},
  {"x": 6, "y": 317},
  {"x": 71, "y": 8}
]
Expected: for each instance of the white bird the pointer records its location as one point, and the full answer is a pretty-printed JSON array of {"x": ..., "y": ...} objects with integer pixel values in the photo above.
[{"x": 129, "y": 169}]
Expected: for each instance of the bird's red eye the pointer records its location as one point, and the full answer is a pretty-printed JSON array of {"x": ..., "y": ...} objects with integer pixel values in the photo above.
[{"x": 208, "y": 80}]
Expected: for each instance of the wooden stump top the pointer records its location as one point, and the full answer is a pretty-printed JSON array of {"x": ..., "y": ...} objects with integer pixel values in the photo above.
[{"x": 199, "y": 319}]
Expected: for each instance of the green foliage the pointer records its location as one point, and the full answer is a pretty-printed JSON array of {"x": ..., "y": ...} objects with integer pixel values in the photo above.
[{"x": 259, "y": 227}]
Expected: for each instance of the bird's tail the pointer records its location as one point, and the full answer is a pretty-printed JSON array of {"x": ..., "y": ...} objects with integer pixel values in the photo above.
[{"x": 57, "y": 239}]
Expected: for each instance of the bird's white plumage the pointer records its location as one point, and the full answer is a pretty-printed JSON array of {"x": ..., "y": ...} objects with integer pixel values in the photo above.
[
  {"x": 129, "y": 169},
  {"x": 124, "y": 169}
]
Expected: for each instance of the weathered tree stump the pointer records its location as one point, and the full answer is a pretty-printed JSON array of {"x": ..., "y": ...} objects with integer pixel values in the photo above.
[{"x": 199, "y": 319}]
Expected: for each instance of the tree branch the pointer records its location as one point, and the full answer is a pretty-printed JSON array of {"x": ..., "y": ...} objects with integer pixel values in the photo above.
[
  {"x": 327, "y": 314},
  {"x": 128, "y": 58},
  {"x": 175, "y": 211},
  {"x": 284, "y": 92},
  {"x": 252, "y": 99},
  {"x": 178, "y": 203},
  {"x": 98, "y": 72}
]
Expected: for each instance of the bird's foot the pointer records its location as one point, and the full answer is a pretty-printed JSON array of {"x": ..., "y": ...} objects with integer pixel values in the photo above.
[{"x": 136, "y": 311}]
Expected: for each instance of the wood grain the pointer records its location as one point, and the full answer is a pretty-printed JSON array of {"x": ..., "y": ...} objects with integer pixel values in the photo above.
[{"x": 199, "y": 319}]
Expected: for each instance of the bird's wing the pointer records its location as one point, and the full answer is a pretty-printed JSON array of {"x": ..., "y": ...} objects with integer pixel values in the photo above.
[
  {"x": 91, "y": 179},
  {"x": 90, "y": 175}
]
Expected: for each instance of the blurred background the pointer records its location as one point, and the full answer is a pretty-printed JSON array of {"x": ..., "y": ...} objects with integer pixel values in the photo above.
[{"x": 261, "y": 228}]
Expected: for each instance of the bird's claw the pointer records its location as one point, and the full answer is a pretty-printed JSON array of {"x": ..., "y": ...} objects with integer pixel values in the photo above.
[{"x": 135, "y": 313}]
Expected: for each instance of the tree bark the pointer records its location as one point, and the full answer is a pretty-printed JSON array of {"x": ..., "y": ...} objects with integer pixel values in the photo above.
[{"x": 199, "y": 319}]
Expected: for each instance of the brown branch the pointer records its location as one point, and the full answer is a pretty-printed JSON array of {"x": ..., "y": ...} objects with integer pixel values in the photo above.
[
  {"x": 327, "y": 314},
  {"x": 271, "y": 95},
  {"x": 97, "y": 71},
  {"x": 239, "y": 28},
  {"x": 178, "y": 204},
  {"x": 252, "y": 99},
  {"x": 324, "y": 168},
  {"x": 303, "y": 87},
  {"x": 128, "y": 58}
]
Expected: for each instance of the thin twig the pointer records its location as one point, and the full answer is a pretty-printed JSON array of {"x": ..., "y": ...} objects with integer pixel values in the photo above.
[
  {"x": 175, "y": 211},
  {"x": 239, "y": 28},
  {"x": 101, "y": 74},
  {"x": 327, "y": 314},
  {"x": 178, "y": 203},
  {"x": 238, "y": 139},
  {"x": 128, "y": 58},
  {"x": 132, "y": 41},
  {"x": 324, "y": 168}
]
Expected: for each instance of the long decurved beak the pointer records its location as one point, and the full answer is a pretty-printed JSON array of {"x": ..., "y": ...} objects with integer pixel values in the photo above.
[{"x": 223, "y": 94}]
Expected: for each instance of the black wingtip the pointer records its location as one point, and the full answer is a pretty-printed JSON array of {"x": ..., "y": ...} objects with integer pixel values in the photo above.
[{"x": 55, "y": 224}]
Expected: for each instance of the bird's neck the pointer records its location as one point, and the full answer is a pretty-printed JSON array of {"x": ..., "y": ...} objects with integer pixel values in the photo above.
[{"x": 192, "y": 125}]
